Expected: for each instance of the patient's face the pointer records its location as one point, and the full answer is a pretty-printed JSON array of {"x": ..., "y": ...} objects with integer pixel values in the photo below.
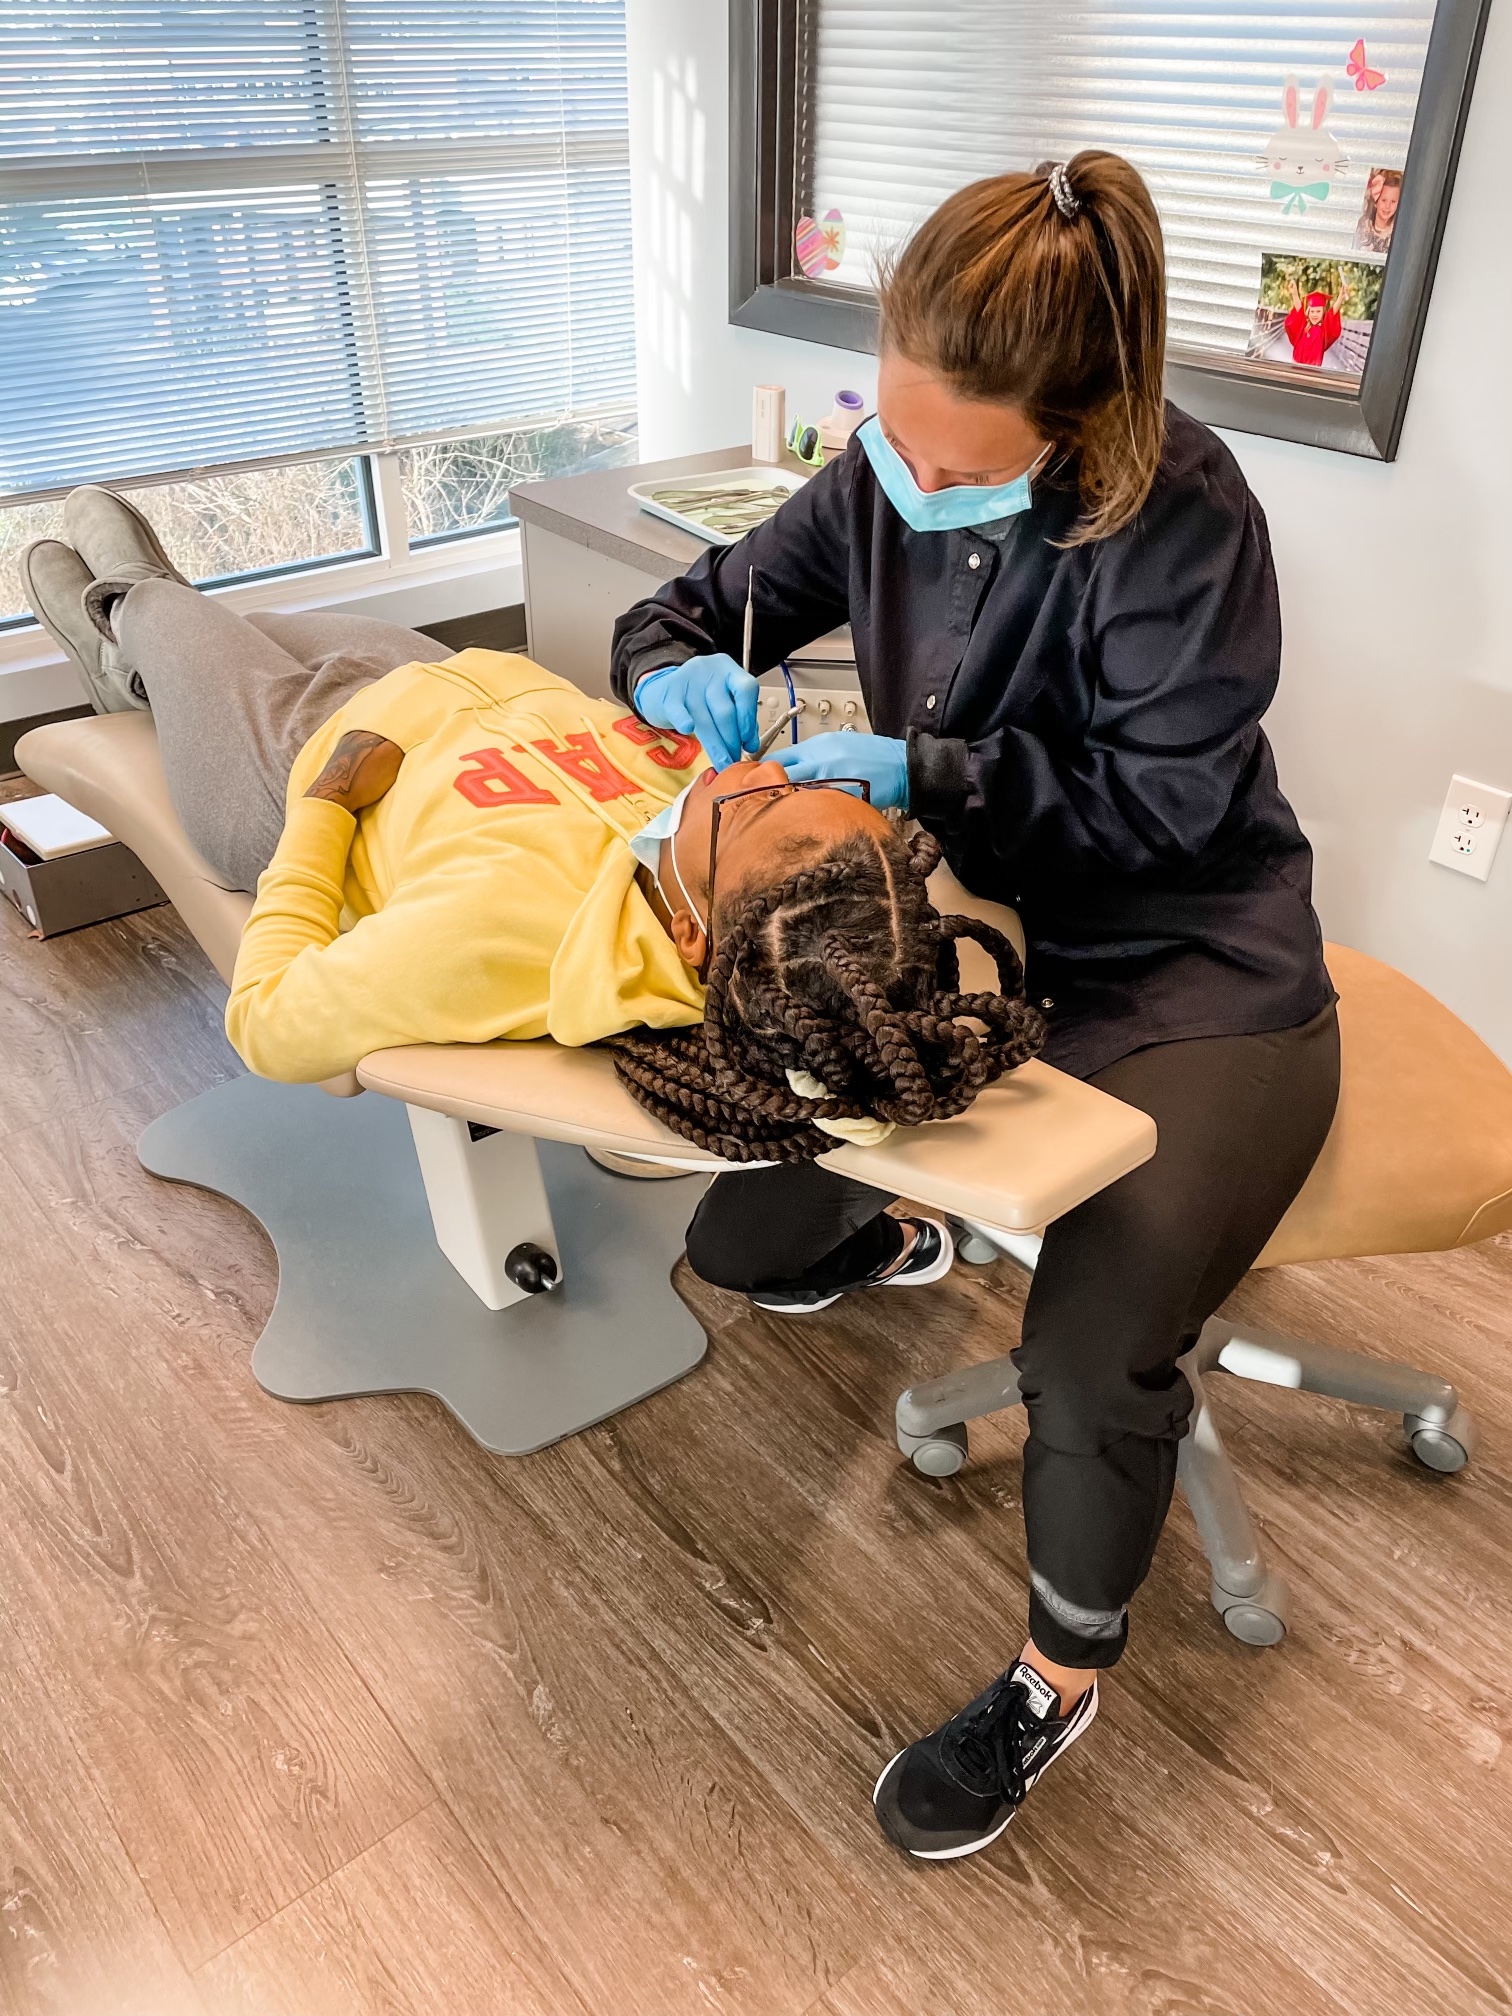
[{"x": 761, "y": 840}]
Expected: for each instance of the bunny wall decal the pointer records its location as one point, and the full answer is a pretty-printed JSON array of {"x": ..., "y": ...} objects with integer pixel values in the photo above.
[{"x": 1302, "y": 162}]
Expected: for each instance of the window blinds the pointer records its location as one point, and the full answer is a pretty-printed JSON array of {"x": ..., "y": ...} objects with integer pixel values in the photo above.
[
  {"x": 234, "y": 232},
  {"x": 898, "y": 105}
]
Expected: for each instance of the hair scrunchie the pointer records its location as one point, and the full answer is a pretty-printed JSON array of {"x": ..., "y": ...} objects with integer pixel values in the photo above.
[{"x": 1066, "y": 199}]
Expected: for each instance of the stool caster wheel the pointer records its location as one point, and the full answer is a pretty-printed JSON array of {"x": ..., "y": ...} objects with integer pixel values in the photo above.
[
  {"x": 1445, "y": 1446},
  {"x": 1260, "y": 1619},
  {"x": 938, "y": 1455}
]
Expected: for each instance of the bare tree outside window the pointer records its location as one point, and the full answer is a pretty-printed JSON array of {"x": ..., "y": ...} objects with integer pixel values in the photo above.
[{"x": 452, "y": 487}]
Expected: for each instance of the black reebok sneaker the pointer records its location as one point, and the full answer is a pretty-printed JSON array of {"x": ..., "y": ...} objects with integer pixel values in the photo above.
[
  {"x": 956, "y": 1790},
  {"x": 932, "y": 1258}
]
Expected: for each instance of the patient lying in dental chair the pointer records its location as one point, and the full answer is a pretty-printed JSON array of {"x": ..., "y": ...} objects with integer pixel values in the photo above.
[{"x": 457, "y": 850}]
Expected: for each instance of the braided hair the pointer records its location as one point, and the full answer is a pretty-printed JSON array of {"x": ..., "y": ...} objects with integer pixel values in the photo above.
[{"x": 848, "y": 972}]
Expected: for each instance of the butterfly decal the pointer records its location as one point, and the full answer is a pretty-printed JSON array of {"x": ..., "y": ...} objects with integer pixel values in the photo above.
[{"x": 1365, "y": 79}]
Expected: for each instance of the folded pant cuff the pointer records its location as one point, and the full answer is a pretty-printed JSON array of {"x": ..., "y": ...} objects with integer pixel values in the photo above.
[{"x": 1072, "y": 1636}]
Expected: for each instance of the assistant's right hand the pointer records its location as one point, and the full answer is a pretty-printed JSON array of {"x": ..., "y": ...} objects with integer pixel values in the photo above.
[{"x": 709, "y": 697}]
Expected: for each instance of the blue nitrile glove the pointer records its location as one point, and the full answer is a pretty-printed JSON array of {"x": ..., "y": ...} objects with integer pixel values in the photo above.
[
  {"x": 881, "y": 759},
  {"x": 711, "y": 698}
]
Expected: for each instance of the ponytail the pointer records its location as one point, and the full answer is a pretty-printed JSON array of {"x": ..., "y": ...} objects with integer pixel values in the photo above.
[{"x": 1047, "y": 291}]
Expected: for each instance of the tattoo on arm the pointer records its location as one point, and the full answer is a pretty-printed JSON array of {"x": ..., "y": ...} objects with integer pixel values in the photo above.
[{"x": 342, "y": 765}]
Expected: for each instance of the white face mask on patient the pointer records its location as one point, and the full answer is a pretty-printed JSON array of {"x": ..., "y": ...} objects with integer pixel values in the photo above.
[{"x": 646, "y": 846}]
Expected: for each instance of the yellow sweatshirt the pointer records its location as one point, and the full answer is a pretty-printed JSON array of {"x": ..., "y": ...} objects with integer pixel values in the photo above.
[{"x": 491, "y": 893}]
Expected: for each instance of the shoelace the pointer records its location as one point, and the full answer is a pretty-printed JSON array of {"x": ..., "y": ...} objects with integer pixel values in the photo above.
[{"x": 987, "y": 1749}]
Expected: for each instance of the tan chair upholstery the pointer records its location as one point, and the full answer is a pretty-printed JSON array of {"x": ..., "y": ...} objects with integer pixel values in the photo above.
[
  {"x": 1028, "y": 1150},
  {"x": 1419, "y": 1158},
  {"x": 108, "y": 765}
]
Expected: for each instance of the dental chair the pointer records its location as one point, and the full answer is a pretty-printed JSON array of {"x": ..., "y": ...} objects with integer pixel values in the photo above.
[{"x": 451, "y": 1237}]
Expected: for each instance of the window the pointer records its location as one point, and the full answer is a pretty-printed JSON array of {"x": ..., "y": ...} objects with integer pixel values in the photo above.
[
  {"x": 244, "y": 230},
  {"x": 244, "y": 522},
  {"x": 878, "y": 109},
  {"x": 456, "y": 487}
]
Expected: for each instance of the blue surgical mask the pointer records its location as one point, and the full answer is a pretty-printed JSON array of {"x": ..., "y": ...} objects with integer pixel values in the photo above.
[{"x": 957, "y": 509}]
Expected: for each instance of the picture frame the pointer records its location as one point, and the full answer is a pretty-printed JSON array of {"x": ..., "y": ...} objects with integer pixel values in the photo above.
[{"x": 1248, "y": 395}]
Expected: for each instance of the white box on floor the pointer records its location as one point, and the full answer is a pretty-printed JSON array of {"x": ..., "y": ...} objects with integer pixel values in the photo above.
[{"x": 62, "y": 869}]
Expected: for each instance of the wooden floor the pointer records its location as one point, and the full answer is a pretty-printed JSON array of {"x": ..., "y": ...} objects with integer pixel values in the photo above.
[{"x": 322, "y": 1710}]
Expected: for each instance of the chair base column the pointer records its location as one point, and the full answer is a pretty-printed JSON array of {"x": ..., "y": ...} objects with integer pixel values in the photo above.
[
  {"x": 368, "y": 1303},
  {"x": 1252, "y": 1600},
  {"x": 487, "y": 1200}
]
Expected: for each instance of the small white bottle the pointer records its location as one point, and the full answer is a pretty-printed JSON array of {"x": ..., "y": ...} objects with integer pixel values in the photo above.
[{"x": 768, "y": 414}]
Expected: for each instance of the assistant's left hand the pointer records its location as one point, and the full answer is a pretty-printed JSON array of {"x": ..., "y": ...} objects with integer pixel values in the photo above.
[{"x": 881, "y": 759}]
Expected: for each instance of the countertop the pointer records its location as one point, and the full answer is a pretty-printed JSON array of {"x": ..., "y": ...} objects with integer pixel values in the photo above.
[{"x": 596, "y": 510}]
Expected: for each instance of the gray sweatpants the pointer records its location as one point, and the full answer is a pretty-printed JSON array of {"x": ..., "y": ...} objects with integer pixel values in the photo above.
[{"x": 236, "y": 698}]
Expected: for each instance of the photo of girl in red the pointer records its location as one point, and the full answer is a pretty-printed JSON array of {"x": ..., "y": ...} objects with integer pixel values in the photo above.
[
  {"x": 1313, "y": 326},
  {"x": 1318, "y": 313}
]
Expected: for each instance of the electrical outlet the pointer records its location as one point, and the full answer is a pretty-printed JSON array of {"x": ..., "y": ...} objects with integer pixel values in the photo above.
[
  {"x": 1470, "y": 827},
  {"x": 822, "y": 708}
]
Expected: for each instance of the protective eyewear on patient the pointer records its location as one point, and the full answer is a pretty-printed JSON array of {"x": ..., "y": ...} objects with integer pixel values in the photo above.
[{"x": 856, "y": 786}]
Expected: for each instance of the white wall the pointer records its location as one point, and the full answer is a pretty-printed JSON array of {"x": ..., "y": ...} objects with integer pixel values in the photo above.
[
  {"x": 1396, "y": 581},
  {"x": 696, "y": 372}
]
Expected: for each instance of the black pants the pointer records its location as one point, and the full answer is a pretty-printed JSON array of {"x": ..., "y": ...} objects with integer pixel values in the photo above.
[{"x": 1123, "y": 1286}]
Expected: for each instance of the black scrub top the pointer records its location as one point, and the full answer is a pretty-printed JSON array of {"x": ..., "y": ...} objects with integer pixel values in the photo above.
[{"x": 1083, "y": 728}]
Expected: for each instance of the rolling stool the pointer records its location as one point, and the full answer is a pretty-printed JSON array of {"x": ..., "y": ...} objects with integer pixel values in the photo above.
[{"x": 1419, "y": 1160}]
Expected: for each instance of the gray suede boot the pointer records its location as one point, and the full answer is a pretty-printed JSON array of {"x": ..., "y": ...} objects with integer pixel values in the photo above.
[
  {"x": 114, "y": 540},
  {"x": 58, "y": 584}
]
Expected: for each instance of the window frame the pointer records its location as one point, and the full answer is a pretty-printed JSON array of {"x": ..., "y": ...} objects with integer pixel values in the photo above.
[
  {"x": 410, "y": 581},
  {"x": 408, "y": 584},
  {"x": 372, "y": 549},
  {"x": 1247, "y": 395}
]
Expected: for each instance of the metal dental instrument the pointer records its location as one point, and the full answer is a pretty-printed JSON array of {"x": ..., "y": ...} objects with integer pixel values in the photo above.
[
  {"x": 777, "y": 728},
  {"x": 784, "y": 720}
]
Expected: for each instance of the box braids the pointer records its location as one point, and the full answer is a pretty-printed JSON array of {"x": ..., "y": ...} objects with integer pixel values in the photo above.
[{"x": 848, "y": 972}]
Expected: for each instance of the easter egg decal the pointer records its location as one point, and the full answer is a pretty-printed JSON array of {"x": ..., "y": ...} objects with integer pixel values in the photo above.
[{"x": 820, "y": 246}]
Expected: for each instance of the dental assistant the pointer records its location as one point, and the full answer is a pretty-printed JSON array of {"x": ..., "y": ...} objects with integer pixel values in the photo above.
[{"x": 1067, "y": 631}]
